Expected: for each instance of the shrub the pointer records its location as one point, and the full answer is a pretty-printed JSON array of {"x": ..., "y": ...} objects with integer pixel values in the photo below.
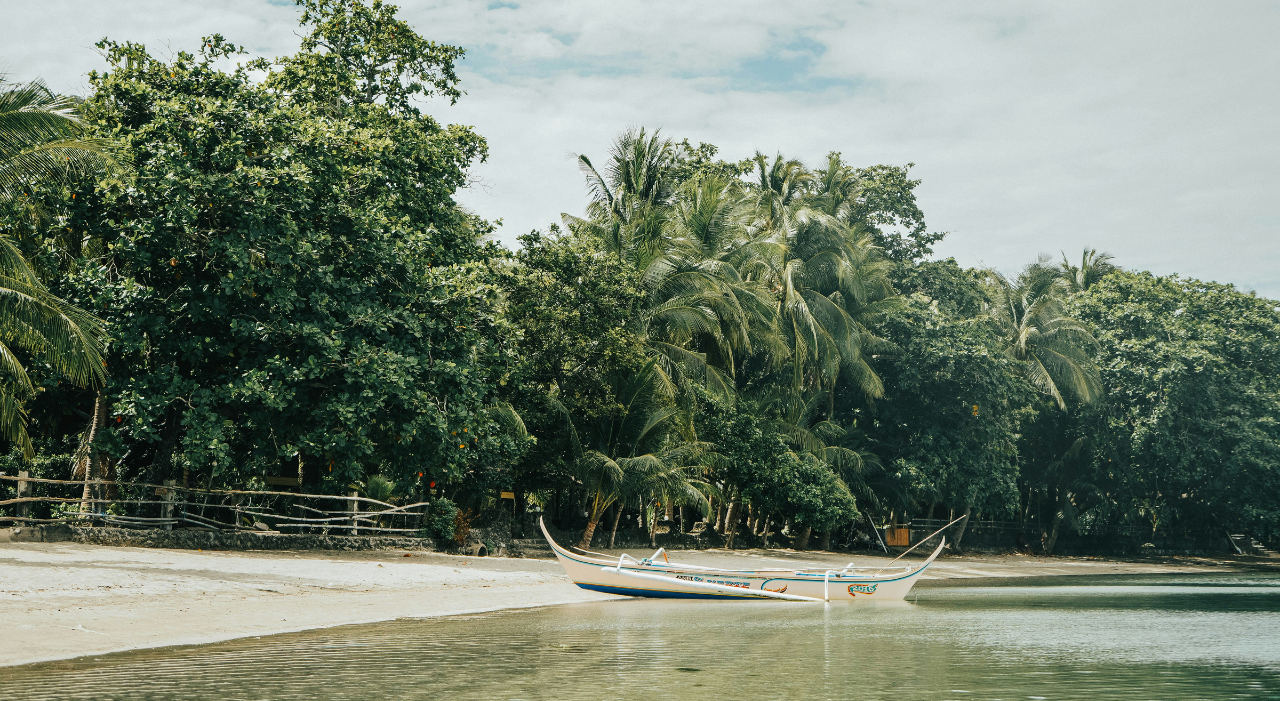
[{"x": 441, "y": 519}]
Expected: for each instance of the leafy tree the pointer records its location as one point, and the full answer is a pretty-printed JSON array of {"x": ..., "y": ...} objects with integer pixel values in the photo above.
[
  {"x": 756, "y": 466},
  {"x": 677, "y": 240},
  {"x": 288, "y": 277},
  {"x": 829, "y": 282},
  {"x": 878, "y": 202},
  {"x": 635, "y": 452},
  {"x": 693, "y": 163},
  {"x": 947, "y": 427},
  {"x": 1188, "y": 435},
  {"x": 364, "y": 54},
  {"x": 571, "y": 312}
]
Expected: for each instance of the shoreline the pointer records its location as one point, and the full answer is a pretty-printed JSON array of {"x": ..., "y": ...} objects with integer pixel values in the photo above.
[{"x": 64, "y": 600}]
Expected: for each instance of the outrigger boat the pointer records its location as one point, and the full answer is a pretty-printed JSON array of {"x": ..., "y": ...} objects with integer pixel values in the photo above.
[{"x": 666, "y": 579}]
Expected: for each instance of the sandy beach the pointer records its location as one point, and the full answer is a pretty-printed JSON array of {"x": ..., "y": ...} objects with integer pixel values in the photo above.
[{"x": 63, "y": 600}]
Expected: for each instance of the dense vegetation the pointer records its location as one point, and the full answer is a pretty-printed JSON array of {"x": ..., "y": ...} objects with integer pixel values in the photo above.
[{"x": 287, "y": 286}]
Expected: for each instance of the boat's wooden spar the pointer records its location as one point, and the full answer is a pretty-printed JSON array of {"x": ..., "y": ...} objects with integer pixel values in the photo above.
[{"x": 646, "y": 577}]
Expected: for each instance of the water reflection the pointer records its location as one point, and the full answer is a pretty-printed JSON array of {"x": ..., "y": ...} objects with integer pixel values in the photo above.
[{"x": 1165, "y": 638}]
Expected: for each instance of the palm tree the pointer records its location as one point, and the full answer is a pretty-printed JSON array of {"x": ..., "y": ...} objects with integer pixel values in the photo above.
[
  {"x": 68, "y": 339},
  {"x": 698, "y": 307},
  {"x": 1093, "y": 267},
  {"x": 41, "y": 140},
  {"x": 634, "y": 453},
  {"x": 627, "y": 200},
  {"x": 829, "y": 280},
  {"x": 698, "y": 299},
  {"x": 1053, "y": 349}
]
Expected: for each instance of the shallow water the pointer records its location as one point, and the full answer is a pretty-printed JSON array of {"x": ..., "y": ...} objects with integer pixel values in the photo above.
[{"x": 1157, "y": 637}]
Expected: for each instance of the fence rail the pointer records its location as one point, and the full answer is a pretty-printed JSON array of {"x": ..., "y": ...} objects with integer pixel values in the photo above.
[
  {"x": 135, "y": 505},
  {"x": 1034, "y": 529}
]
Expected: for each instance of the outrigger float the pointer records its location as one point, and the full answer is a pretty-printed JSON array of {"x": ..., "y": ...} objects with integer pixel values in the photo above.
[{"x": 666, "y": 579}]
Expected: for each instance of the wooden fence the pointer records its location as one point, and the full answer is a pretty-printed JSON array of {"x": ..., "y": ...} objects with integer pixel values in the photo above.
[{"x": 141, "y": 505}]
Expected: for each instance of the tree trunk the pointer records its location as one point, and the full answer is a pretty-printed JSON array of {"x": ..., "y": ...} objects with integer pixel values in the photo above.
[
  {"x": 731, "y": 520},
  {"x": 617, "y": 516},
  {"x": 825, "y": 543},
  {"x": 93, "y": 460},
  {"x": 802, "y": 538},
  {"x": 653, "y": 527},
  {"x": 963, "y": 525},
  {"x": 1057, "y": 521},
  {"x": 589, "y": 532}
]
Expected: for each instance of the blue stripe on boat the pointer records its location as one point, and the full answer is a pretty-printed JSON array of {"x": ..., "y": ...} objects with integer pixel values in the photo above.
[{"x": 659, "y": 594}]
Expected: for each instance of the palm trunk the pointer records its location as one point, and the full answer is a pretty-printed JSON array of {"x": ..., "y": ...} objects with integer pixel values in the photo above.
[
  {"x": 588, "y": 533},
  {"x": 617, "y": 517},
  {"x": 731, "y": 519},
  {"x": 93, "y": 459}
]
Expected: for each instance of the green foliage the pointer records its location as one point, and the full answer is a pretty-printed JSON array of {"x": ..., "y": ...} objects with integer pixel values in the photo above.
[
  {"x": 287, "y": 278},
  {"x": 948, "y": 424},
  {"x": 379, "y": 488},
  {"x": 570, "y": 311},
  {"x": 753, "y": 457},
  {"x": 42, "y": 144},
  {"x": 817, "y": 497},
  {"x": 693, "y": 163},
  {"x": 42, "y": 140},
  {"x": 441, "y": 520},
  {"x": 363, "y": 53},
  {"x": 1189, "y": 431},
  {"x": 1055, "y": 351},
  {"x": 287, "y": 282}
]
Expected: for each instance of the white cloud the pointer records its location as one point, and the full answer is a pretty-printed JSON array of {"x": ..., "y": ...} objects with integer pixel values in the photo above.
[{"x": 1140, "y": 128}]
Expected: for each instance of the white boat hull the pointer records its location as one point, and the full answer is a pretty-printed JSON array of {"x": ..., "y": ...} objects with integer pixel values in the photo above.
[{"x": 671, "y": 580}]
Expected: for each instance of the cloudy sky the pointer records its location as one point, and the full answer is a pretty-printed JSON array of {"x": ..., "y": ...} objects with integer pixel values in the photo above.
[{"x": 1145, "y": 129}]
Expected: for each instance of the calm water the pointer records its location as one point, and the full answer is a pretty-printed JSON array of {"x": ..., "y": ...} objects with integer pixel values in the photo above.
[{"x": 1172, "y": 637}]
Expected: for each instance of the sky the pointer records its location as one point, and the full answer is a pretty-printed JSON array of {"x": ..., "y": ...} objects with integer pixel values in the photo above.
[{"x": 1144, "y": 129}]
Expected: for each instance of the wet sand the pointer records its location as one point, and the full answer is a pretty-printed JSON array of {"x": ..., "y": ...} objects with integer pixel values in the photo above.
[{"x": 63, "y": 600}]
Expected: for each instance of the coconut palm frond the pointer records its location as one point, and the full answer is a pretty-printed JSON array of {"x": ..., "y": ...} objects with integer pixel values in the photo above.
[
  {"x": 507, "y": 416},
  {"x": 13, "y": 421}
]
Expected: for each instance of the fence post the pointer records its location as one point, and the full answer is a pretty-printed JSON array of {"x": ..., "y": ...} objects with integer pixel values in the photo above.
[
  {"x": 353, "y": 507},
  {"x": 170, "y": 493},
  {"x": 24, "y": 510}
]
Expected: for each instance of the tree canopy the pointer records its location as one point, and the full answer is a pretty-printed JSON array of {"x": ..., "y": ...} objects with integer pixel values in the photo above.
[{"x": 284, "y": 284}]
